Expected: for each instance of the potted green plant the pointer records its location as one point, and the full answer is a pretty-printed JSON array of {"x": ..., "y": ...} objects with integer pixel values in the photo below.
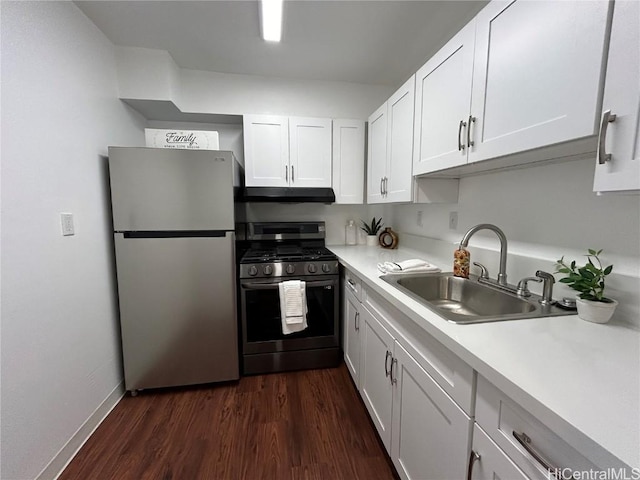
[
  {"x": 589, "y": 280},
  {"x": 372, "y": 230}
]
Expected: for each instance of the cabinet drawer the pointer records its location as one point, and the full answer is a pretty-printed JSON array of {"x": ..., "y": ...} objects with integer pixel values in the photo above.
[
  {"x": 491, "y": 462},
  {"x": 353, "y": 283},
  {"x": 452, "y": 374},
  {"x": 503, "y": 419}
]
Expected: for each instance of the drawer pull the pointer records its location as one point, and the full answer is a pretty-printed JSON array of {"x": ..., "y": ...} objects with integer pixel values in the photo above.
[
  {"x": 386, "y": 360},
  {"x": 473, "y": 458},
  {"x": 524, "y": 440},
  {"x": 352, "y": 284}
]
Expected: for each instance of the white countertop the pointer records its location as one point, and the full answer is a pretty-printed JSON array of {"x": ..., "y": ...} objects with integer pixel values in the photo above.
[{"x": 581, "y": 379}]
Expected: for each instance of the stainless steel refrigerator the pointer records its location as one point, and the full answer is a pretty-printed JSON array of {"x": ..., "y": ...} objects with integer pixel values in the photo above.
[{"x": 173, "y": 219}]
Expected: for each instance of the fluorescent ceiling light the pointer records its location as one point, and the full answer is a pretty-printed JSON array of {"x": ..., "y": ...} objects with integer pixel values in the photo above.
[{"x": 271, "y": 16}]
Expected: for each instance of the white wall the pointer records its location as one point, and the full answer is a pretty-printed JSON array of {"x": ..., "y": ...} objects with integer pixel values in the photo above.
[
  {"x": 61, "y": 362},
  {"x": 152, "y": 75}
]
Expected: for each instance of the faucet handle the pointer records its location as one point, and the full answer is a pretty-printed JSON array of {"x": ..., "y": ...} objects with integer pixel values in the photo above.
[
  {"x": 523, "y": 288},
  {"x": 547, "y": 289},
  {"x": 545, "y": 276},
  {"x": 484, "y": 273}
]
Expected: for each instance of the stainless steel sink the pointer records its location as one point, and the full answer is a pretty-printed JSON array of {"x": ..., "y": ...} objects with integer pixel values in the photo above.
[{"x": 461, "y": 300}]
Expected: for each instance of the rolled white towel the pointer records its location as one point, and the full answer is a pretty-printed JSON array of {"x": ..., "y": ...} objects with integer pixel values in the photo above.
[
  {"x": 293, "y": 306},
  {"x": 414, "y": 265}
]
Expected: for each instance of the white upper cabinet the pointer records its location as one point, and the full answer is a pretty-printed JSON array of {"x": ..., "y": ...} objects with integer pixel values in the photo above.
[
  {"x": 400, "y": 143},
  {"x": 377, "y": 164},
  {"x": 348, "y": 161},
  {"x": 520, "y": 76},
  {"x": 536, "y": 75},
  {"x": 389, "y": 176},
  {"x": 309, "y": 152},
  {"x": 266, "y": 150},
  {"x": 287, "y": 151},
  {"x": 443, "y": 104},
  {"x": 621, "y": 138}
]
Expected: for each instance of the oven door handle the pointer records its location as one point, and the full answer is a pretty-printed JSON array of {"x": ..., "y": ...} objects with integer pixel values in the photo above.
[{"x": 268, "y": 286}]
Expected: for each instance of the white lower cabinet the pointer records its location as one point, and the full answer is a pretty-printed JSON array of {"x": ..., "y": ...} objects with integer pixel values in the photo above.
[
  {"x": 351, "y": 334},
  {"x": 429, "y": 432},
  {"x": 529, "y": 443},
  {"x": 423, "y": 429},
  {"x": 376, "y": 389},
  {"x": 427, "y": 404},
  {"x": 488, "y": 462}
]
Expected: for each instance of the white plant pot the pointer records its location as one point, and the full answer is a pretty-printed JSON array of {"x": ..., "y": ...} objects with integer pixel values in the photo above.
[
  {"x": 372, "y": 240},
  {"x": 596, "y": 312}
]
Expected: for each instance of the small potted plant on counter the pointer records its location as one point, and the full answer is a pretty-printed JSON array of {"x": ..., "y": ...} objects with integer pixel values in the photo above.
[
  {"x": 589, "y": 279},
  {"x": 372, "y": 230}
]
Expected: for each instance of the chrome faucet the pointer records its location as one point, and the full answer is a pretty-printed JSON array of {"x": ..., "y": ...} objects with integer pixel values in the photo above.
[{"x": 502, "y": 274}]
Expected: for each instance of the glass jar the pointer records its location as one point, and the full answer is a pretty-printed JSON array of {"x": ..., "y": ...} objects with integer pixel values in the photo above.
[{"x": 351, "y": 233}]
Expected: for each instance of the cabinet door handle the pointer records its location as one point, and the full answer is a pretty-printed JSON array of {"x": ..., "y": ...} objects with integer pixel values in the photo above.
[
  {"x": 293, "y": 177},
  {"x": 356, "y": 321},
  {"x": 381, "y": 182},
  {"x": 386, "y": 359},
  {"x": 460, "y": 144},
  {"x": 386, "y": 181},
  {"x": 524, "y": 440},
  {"x": 472, "y": 119},
  {"x": 607, "y": 118},
  {"x": 394, "y": 380},
  {"x": 473, "y": 458},
  {"x": 286, "y": 173}
]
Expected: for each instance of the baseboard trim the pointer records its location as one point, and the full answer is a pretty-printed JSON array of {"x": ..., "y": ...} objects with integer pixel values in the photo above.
[{"x": 57, "y": 465}]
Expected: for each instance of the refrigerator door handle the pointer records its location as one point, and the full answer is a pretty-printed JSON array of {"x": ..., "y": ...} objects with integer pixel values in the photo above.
[{"x": 176, "y": 234}]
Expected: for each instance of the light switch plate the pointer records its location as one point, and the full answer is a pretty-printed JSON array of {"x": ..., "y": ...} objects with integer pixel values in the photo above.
[
  {"x": 66, "y": 220},
  {"x": 453, "y": 220}
]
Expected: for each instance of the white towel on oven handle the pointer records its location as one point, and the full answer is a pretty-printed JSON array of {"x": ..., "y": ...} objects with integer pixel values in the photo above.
[{"x": 293, "y": 306}]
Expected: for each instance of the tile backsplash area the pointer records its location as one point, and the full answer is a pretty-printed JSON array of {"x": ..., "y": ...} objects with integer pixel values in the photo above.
[{"x": 335, "y": 216}]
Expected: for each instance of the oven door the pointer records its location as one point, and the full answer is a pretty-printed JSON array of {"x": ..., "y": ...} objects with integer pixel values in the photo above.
[{"x": 261, "y": 320}]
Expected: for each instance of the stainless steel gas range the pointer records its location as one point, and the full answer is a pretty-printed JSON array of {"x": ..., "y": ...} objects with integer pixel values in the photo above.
[{"x": 280, "y": 252}]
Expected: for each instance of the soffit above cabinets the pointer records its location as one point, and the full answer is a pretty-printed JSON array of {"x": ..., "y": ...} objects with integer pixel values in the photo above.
[
  {"x": 166, "y": 110},
  {"x": 367, "y": 42}
]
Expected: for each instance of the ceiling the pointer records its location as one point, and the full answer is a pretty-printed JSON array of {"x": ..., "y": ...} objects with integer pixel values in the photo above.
[{"x": 372, "y": 42}]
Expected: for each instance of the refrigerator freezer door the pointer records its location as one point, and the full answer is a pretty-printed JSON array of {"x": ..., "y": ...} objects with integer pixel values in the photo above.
[
  {"x": 169, "y": 189},
  {"x": 177, "y": 310}
]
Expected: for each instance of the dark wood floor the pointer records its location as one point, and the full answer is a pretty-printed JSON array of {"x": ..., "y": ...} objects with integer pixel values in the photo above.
[{"x": 296, "y": 425}]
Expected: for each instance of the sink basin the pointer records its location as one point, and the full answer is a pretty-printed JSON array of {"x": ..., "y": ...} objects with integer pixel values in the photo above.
[{"x": 461, "y": 300}]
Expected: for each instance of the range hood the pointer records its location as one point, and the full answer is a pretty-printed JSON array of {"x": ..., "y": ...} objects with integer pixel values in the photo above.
[{"x": 288, "y": 195}]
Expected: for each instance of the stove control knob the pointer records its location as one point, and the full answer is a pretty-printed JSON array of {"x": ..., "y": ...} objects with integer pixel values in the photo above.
[
  {"x": 326, "y": 268},
  {"x": 311, "y": 268},
  {"x": 267, "y": 270},
  {"x": 291, "y": 269},
  {"x": 253, "y": 271}
]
